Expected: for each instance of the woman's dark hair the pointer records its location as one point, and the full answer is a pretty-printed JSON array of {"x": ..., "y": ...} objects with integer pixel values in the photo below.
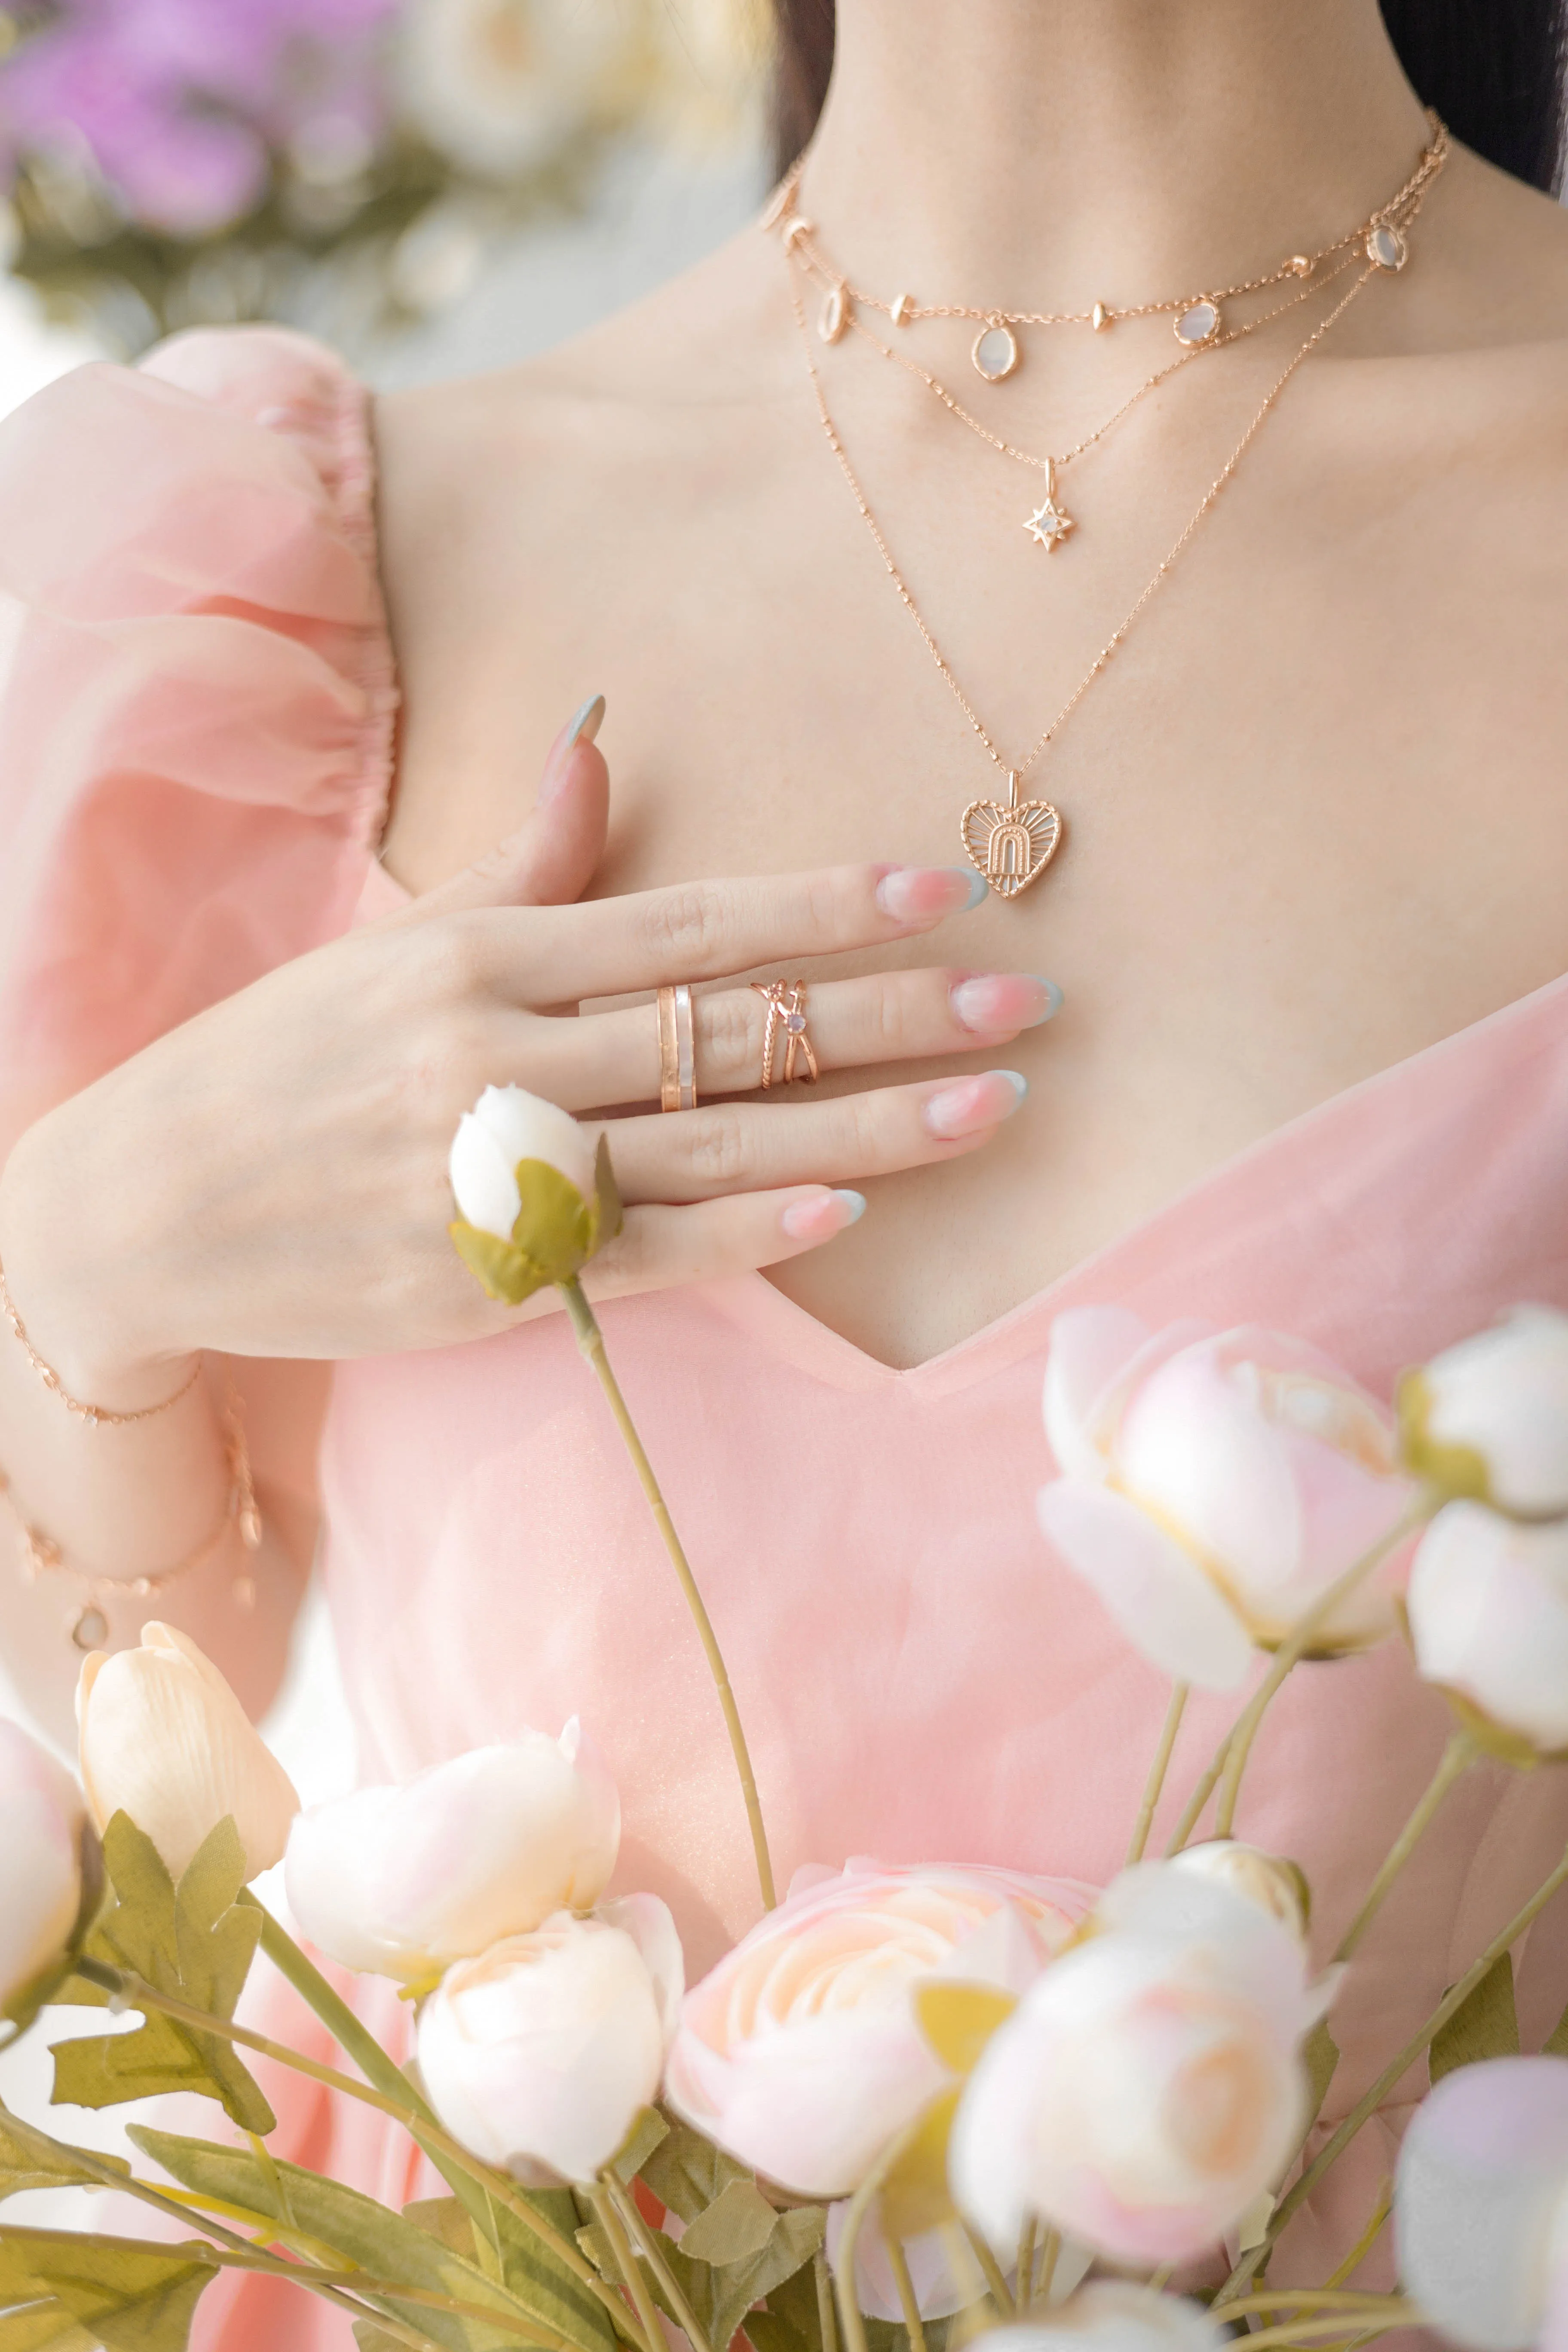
[{"x": 1494, "y": 69}]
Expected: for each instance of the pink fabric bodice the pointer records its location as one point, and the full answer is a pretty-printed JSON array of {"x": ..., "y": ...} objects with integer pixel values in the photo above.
[{"x": 195, "y": 749}]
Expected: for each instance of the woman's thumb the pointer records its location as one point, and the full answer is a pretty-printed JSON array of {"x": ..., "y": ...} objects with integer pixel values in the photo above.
[{"x": 549, "y": 859}]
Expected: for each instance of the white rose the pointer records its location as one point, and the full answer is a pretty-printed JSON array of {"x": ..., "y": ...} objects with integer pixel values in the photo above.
[
  {"x": 402, "y": 1881},
  {"x": 539, "y": 2054},
  {"x": 1487, "y": 1605},
  {"x": 1113, "y": 2316},
  {"x": 1489, "y": 1417},
  {"x": 42, "y": 1821},
  {"x": 1213, "y": 1485},
  {"x": 1149, "y": 2086},
  {"x": 164, "y": 1740},
  {"x": 506, "y": 1125},
  {"x": 1480, "y": 2205}
]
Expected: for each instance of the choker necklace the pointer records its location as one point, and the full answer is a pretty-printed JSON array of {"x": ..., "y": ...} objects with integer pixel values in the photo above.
[
  {"x": 1196, "y": 319},
  {"x": 1011, "y": 843}
]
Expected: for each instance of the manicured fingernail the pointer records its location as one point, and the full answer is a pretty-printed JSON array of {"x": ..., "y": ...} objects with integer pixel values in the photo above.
[
  {"x": 580, "y": 727},
  {"x": 924, "y": 894},
  {"x": 975, "y": 1103},
  {"x": 994, "y": 1003},
  {"x": 818, "y": 1218}
]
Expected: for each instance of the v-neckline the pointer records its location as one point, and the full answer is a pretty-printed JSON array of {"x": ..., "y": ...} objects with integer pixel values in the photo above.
[{"x": 806, "y": 1336}]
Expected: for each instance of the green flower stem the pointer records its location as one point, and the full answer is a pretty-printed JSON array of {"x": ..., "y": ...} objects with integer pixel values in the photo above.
[
  {"x": 1454, "y": 1999},
  {"x": 1050, "y": 2256},
  {"x": 1368, "y": 2238},
  {"x": 591, "y": 1340},
  {"x": 1383, "y": 2312},
  {"x": 1024, "y": 2280},
  {"x": 647, "y": 2242},
  {"x": 1230, "y": 1763},
  {"x": 827, "y": 2318},
  {"x": 436, "y": 2142},
  {"x": 991, "y": 2270},
  {"x": 1456, "y": 1759},
  {"x": 909, "y": 2302},
  {"x": 626, "y": 2262},
  {"x": 351, "y": 2034},
  {"x": 849, "y": 2319},
  {"x": 1341, "y": 2301},
  {"x": 1157, "y": 1771}
]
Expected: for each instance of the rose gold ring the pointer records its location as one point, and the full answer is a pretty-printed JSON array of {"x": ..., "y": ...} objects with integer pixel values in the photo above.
[
  {"x": 785, "y": 1000},
  {"x": 677, "y": 1050}
]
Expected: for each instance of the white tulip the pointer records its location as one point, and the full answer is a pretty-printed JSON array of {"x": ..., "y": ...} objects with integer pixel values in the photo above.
[
  {"x": 164, "y": 1740},
  {"x": 506, "y": 1125},
  {"x": 539, "y": 2054},
  {"x": 42, "y": 1821},
  {"x": 1480, "y": 2205},
  {"x": 400, "y": 1882},
  {"x": 1277, "y": 1886},
  {"x": 1149, "y": 2086},
  {"x": 1113, "y": 2316},
  {"x": 1488, "y": 1607},
  {"x": 1489, "y": 1417}
]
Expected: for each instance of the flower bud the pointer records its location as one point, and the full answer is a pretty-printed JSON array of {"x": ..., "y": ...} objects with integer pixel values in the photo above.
[
  {"x": 1481, "y": 2205},
  {"x": 44, "y": 1821},
  {"x": 402, "y": 1881},
  {"x": 534, "y": 1200},
  {"x": 164, "y": 1740},
  {"x": 1488, "y": 1418},
  {"x": 1276, "y": 1886},
  {"x": 539, "y": 2054},
  {"x": 1113, "y": 2316},
  {"x": 1487, "y": 1610}
]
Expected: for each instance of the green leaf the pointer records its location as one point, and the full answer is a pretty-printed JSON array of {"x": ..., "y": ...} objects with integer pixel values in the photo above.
[
  {"x": 555, "y": 1228},
  {"x": 1320, "y": 2055},
  {"x": 390, "y": 2246},
  {"x": 1556, "y": 2043},
  {"x": 22, "y": 2166},
  {"x": 720, "y": 2298},
  {"x": 129, "y": 2295},
  {"x": 195, "y": 1943},
  {"x": 44, "y": 2327},
  {"x": 502, "y": 1268},
  {"x": 687, "y": 2173},
  {"x": 648, "y": 2130},
  {"x": 1484, "y": 2026},
  {"x": 734, "y": 2228}
]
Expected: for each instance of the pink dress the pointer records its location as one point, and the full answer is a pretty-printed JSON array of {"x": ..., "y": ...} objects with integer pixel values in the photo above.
[{"x": 196, "y": 746}]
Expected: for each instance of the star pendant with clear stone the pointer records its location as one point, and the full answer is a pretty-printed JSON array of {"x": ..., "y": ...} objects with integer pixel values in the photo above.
[{"x": 1048, "y": 526}]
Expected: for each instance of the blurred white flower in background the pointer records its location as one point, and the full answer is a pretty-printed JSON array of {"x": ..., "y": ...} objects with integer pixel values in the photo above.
[{"x": 496, "y": 85}]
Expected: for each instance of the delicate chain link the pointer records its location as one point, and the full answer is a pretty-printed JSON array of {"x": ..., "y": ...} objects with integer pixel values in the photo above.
[
  {"x": 1298, "y": 264},
  {"x": 1108, "y": 648},
  {"x": 95, "y": 1415}
]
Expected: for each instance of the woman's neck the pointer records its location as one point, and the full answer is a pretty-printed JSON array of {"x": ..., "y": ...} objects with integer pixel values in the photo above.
[{"x": 1060, "y": 152}]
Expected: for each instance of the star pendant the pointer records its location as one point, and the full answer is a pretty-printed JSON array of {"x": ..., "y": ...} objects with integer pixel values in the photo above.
[{"x": 1049, "y": 525}]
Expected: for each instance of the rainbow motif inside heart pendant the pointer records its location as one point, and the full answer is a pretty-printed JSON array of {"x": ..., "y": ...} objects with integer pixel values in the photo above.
[{"x": 1011, "y": 845}]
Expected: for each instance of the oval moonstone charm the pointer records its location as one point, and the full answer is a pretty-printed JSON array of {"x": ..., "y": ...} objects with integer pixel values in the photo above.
[
  {"x": 1386, "y": 245},
  {"x": 1198, "y": 323},
  {"x": 995, "y": 351},
  {"x": 834, "y": 316}
]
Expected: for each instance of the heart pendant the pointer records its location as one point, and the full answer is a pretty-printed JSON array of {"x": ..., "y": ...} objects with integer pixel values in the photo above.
[{"x": 1013, "y": 844}]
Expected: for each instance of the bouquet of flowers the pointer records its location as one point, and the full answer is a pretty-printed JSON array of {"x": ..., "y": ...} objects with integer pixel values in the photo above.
[
  {"x": 913, "y": 2104},
  {"x": 168, "y": 162}
]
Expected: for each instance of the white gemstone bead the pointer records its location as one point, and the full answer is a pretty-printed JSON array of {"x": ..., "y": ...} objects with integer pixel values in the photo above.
[{"x": 1197, "y": 324}]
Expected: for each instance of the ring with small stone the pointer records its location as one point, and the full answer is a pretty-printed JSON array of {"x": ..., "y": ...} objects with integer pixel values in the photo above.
[
  {"x": 785, "y": 1000},
  {"x": 677, "y": 1052}
]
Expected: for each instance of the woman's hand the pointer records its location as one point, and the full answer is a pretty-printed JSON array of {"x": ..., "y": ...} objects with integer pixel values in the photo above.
[{"x": 270, "y": 1179}]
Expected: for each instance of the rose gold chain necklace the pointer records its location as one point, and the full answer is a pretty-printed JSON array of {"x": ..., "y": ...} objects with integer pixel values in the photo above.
[
  {"x": 1012, "y": 843},
  {"x": 1196, "y": 319}
]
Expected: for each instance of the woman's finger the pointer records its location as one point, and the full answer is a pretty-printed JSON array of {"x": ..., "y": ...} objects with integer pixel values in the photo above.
[
  {"x": 613, "y": 1058},
  {"x": 696, "y": 1155},
  {"x": 658, "y": 1247},
  {"x": 708, "y": 930}
]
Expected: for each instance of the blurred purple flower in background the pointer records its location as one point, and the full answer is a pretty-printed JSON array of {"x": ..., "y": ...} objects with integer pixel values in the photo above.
[{"x": 179, "y": 104}]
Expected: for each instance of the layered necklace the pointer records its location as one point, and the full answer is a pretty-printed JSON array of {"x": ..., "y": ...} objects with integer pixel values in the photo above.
[{"x": 1012, "y": 842}]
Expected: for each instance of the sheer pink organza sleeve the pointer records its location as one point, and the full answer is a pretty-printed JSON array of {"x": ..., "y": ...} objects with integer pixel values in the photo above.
[{"x": 196, "y": 693}]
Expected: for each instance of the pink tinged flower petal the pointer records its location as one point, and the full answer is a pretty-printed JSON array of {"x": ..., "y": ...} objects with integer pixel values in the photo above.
[
  {"x": 1480, "y": 2194},
  {"x": 43, "y": 1814},
  {"x": 483, "y": 1181},
  {"x": 1089, "y": 1346},
  {"x": 1158, "y": 1595},
  {"x": 651, "y": 1927},
  {"x": 1196, "y": 1446},
  {"x": 1487, "y": 1602}
]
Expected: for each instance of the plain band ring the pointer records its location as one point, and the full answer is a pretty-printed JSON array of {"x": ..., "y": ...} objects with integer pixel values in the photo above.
[{"x": 676, "y": 1049}]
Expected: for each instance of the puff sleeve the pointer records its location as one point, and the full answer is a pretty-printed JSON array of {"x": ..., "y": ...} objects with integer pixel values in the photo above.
[{"x": 197, "y": 699}]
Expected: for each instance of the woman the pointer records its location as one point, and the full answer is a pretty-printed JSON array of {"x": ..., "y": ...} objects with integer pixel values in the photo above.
[{"x": 1312, "y": 1065}]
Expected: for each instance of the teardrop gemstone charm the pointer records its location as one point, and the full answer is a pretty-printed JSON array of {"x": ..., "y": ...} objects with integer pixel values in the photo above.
[
  {"x": 995, "y": 351},
  {"x": 1198, "y": 323},
  {"x": 1386, "y": 245}
]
